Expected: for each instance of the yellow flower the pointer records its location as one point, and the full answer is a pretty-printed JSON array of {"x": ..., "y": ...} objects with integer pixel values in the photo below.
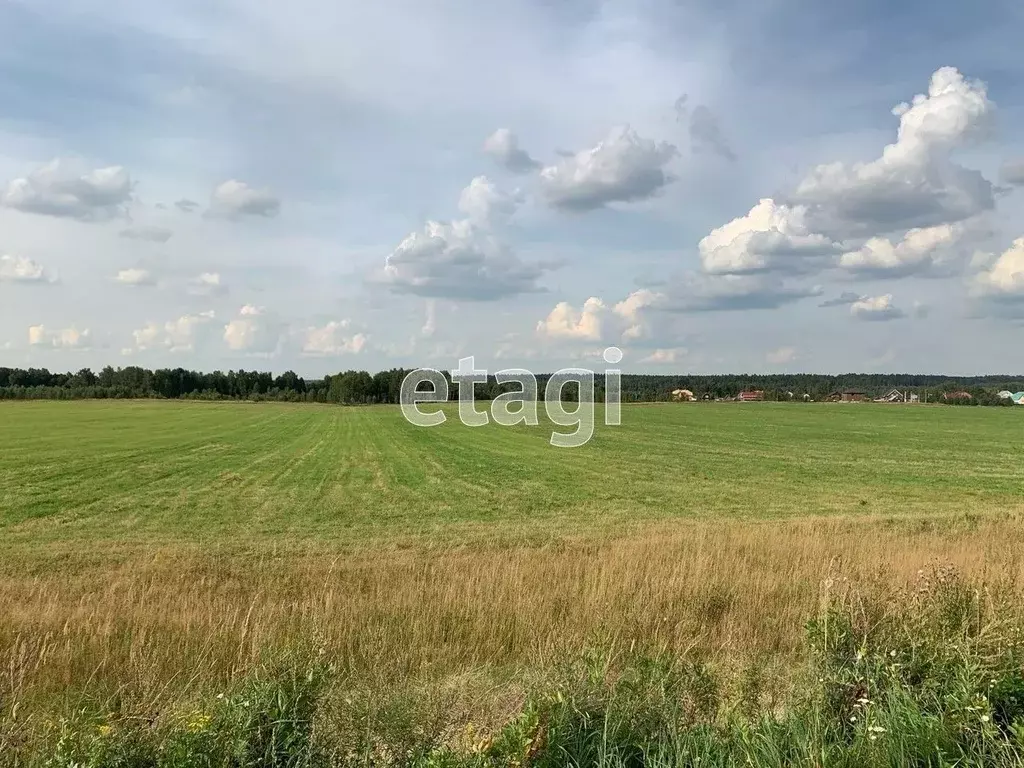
[
  {"x": 105, "y": 730},
  {"x": 198, "y": 722}
]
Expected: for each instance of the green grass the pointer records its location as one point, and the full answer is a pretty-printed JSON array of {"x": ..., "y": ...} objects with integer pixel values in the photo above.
[
  {"x": 231, "y": 584},
  {"x": 169, "y": 471}
]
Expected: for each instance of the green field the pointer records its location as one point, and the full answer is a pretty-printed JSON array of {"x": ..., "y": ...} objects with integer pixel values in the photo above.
[
  {"x": 165, "y": 471},
  {"x": 247, "y": 585}
]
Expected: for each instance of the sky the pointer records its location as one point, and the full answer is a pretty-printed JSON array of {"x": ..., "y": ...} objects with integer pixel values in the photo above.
[{"x": 712, "y": 187}]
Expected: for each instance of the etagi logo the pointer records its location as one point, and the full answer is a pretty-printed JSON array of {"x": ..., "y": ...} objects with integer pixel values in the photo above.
[{"x": 517, "y": 407}]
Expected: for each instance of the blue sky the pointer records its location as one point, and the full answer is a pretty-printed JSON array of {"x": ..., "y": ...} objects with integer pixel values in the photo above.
[{"x": 319, "y": 186}]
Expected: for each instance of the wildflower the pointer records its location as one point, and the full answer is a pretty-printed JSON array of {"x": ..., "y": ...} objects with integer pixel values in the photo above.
[
  {"x": 876, "y": 729},
  {"x": 105, "y": 730},
  {"x": 198, "y": 722},
  {"x": 853, "y": 719},
  {"x": 984, "y": 718},
  {"x": 893, "y": 653}
]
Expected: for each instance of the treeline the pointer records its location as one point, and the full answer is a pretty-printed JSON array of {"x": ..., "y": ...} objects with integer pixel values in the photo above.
[{"x": 362, "y": 387}]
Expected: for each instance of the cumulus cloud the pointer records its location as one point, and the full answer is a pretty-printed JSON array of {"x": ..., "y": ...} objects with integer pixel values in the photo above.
[
  {"x": 234, "y": 199},
  {"x": 463, "y": 259},
  {"x": 484, "y": 204},
  {"x": 334, "y": 338},
  {"x": 1001, "y": 279},
  {"x": 622, "y": 168},
  {"x": 253, "y": 331},
  {"x": 503, "y": 146},
  {"x": 876, "y": 308},
  {"x": 67, "y": 338},
  {"x": 1012, "y": 172},
  {"x": 596, "y": 321},
  {"x": 149, "y": 233},
  {"x": 842, "y": 300},
  {"x": 771, "y": 237},
  {"x": 58, "y": 189},
  {"x": 920, "y": 250},
  {"x": 178, "y": 335},
  {"x": 135, "y": 276},
  {"x": 459, "y": 261},
  {"x": 565, "y": 322},
  {"x": 21, "y": 269},
  {"x": 208, "y": 284},
  {"x": 665, "y": 356},
  {"x": 914, "y": 183}
]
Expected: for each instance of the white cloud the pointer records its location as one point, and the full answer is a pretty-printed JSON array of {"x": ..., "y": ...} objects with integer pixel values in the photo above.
[
  {"x": 334, "y": 338},
  {"x": 253, "y": 331},
  {"x": 484, "y": 204},
  {"x": 460, "y": 261},
  {"x": 920, "y": 250},
  {"x": 152, "y": 234},
  {"x": 135, "y": 276},
  {"x": 503, "y": 146},
  {"x": 67, "y": 338},
  {"x": 175, "y": 335},
  {"x": 665, "y": 356},
  {"x": 21, "y": 269},
  {"x": 771, "y": 237},
  {"x": 565, "y": 322},
  {"x": 57, "y": 189},
  {"x": 430, "y": 322},
  {"x": 622, "y": 168},
  {"x": 596, "y": 321},
  {"x": 781, "y": 356},
  {"x": 876, "y": 308},
  {"x": 1002, "y": 279},
  {"x": 208, "y": 284},
  {"x": 234, "y": 199},
  {"x": 914, "y": 183}
]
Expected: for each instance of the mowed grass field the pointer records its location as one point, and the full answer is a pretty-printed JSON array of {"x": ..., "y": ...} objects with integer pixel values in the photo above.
[
  {"x": 168, "y": 471},
  {"x": 154, "y": 554}
]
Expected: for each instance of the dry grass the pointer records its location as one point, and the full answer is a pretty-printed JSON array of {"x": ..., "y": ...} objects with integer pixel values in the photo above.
[{"x": 154, "y": 625}]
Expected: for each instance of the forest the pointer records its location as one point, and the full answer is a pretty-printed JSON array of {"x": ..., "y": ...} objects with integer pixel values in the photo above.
[{"x": 361, "y": 387}]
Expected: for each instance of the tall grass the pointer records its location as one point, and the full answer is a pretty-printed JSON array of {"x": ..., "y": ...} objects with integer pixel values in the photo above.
[
  {"x": 440, "y": 654},
  {"x": 927, "y": 676}
]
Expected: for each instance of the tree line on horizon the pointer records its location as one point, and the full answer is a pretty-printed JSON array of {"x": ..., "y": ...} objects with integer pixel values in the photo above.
[{"x": 362, "y": 387}]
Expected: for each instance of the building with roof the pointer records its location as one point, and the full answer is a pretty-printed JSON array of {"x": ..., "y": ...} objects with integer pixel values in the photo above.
[{"x": 848, "y": 396}]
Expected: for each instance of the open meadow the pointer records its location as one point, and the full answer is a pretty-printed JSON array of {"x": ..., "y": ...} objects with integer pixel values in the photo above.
[{"x": 161, "y": 562}]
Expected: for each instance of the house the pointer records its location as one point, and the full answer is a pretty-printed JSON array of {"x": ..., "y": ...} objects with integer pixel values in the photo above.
[
  {"x": 957, "y": 396},
  {"x": 848, "y": 396},
  {"x": 892, "y": 396},
  {"x": 750, "y": 395},
  {"x": 1005, "y": 395},
  {"x": 1017, "y": 397},
  {"x": 683, "y": 395}
]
